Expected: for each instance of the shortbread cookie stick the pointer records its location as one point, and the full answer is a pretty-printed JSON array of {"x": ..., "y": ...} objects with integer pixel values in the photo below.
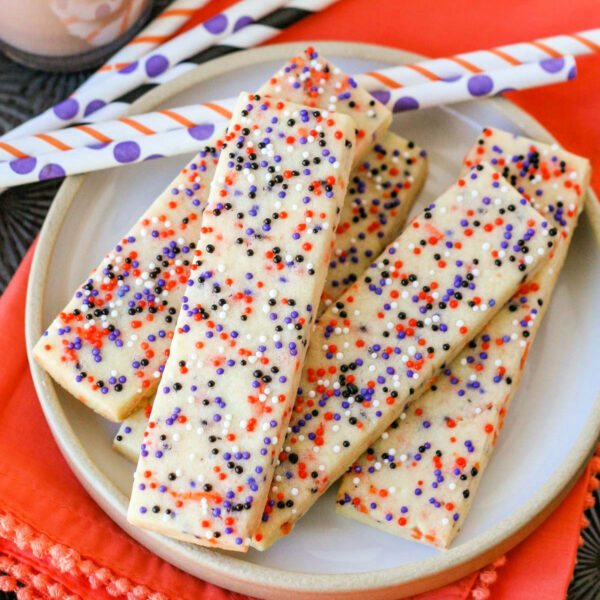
[
  {"x": 109, "y": 344},
  {"x": 381, "y": 192},
  {"x": 414, "y": 309},
  {"x": 218, "y": 420},
  {"x": 130, "y": 436},
  {"x": 312, "y": 80},
  {"x": 419, "y": 479}
]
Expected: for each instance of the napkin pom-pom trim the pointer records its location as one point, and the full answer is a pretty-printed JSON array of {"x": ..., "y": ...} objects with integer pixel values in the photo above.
[
  {"x": 62, "y": 558},
  {"x": 28, "y": 583},
  {"x": 486, "y": 577}
]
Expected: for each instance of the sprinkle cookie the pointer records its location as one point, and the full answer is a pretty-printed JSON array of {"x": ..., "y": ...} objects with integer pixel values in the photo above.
[
  {"x": 225, "y": 397},
  {"x": 425, "y": 297},
  {"x": 419, "y": 479},
  {"x": 381, "y": 192},
  {"x": 108, "y": 349},
  {"x": 312, "y": 80}
]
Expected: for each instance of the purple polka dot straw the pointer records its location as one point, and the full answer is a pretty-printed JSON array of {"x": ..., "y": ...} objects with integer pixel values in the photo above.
[
  {"x": 467, "y": 87},
  {"x": 104, "y": 156}
]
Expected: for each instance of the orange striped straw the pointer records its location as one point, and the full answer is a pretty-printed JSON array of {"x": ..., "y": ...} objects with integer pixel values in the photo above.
[{"x": 479, "y": 61}]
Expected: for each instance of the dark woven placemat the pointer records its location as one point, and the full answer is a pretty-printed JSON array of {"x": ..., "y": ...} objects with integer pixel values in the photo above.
[{"x": 26, "y": 92}]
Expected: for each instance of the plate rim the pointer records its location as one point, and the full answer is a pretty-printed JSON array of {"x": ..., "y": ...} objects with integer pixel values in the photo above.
[{"x": 233, "y": 572}]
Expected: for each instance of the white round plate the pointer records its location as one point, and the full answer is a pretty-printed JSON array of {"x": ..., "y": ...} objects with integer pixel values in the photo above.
[{"x": 549, "y": 432}]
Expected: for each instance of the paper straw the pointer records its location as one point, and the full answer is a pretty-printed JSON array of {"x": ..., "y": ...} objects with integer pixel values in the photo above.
[
  {"x": 575, "y": 44},
  {"x": 579, "y": 43},
  {"x": 400, "y": 99},
  {"x": 104, "y": 156},
  {"x": 80, "y": 136},
  {"x": 433, "y": 93},
  {"x": 249, "y": 37},
  {"x": 260, "y": 31},
  {"x": 488, "y": 83}
]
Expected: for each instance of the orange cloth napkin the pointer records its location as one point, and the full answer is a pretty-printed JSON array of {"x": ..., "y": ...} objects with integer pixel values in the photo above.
[{"x": 58, "y": 542}]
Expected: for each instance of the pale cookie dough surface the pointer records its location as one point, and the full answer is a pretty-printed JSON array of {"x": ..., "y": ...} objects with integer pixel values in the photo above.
[
  {"x": 109, "y": 344},
  {"x": 414, "y": 309},
  {"x": 312, "y": 80},
  {"x": 225, "y": 397},
  {"x": 128, "y": 440},
  {"x": 419, "y": 479},
  {"x": 381, "y": 192}
]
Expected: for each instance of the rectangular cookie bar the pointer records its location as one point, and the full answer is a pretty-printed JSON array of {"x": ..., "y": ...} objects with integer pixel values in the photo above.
[
  {"x": 379, "y": 346},
  {"x": 312, "y": 80},
  {"x": 381, "y": 192},
  {"x": 109, "y": 344},
  {"x": 220, "y": 415},
  {"x": 419, "y": 479}
]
